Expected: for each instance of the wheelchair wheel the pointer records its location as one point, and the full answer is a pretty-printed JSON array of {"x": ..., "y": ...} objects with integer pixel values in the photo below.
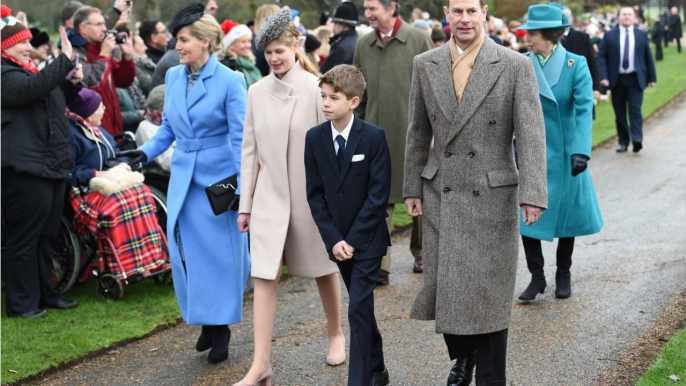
[
  {"x": 66, "y": 258},
  {"x": 160, "y": 207},
  {"x": 109, "y": 287},
  {"x": 165, "y": 278}
]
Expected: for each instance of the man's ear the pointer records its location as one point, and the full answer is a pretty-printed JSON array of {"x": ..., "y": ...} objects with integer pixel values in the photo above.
[{"x": 355, "y": 102}]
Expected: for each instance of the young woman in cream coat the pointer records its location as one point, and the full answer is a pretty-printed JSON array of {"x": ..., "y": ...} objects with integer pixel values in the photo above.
[{"x": 282, "y": 107}]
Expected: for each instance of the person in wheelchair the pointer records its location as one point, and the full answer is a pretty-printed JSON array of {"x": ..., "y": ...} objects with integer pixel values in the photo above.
[
  {"x": 151, "y": 124},
  {"x": 103, "y": 210}
]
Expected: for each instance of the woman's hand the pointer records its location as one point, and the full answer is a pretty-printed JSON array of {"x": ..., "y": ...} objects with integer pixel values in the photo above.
[
  {"x": 78, "y": 74},
  {"x": 126, "y": 166},
  {"x": 66, "y": 44},
  {"x": 243, "y": 222}
]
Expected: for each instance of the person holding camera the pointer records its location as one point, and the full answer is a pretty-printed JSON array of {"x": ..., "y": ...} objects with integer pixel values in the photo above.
[{"x": 107, "y": 58}]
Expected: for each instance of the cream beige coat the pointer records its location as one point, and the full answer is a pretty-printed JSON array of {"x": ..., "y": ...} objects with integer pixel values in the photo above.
[{"x": 272, "y": 187}]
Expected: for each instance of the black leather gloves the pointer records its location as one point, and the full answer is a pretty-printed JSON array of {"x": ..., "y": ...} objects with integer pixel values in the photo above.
[
  {"x": 136, "y": 156},
  {"x": 579, "y": 164}
]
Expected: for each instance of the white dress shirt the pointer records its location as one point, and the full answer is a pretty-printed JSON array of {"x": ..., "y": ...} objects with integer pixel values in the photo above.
[
  {"x": 389, "y": 34},
  {"x": 345, "y": 133},
  {"x": 632, "y": 49}
]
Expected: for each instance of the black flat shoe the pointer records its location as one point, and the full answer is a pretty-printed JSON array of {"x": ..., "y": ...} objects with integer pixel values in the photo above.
[
  {"x": 537, "y": 286},
  {"x": 63, "y": 304},
  {"x": 30, "y": 315},
  {"x": 461, "y": 373},
  {"x": 204, "y": 342},
  {"x": 622, "y": 148},
  {"x": 220, "y": 344},
  {"x": 637, "y": 146},
  {"x": 563, "y": 287},
  {"x": 380, "y": 378}
]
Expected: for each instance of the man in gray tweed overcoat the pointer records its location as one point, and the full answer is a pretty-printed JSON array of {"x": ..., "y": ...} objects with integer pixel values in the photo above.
[{"x": 470, "y": 96}]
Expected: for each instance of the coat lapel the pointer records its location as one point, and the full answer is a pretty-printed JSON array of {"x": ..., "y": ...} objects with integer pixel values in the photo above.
[
  {"x": 544, "y": 89},
  {"x": 442, "y": 82},
  {"x": 486, "y": 71},
  {"x": 329, "y": 149},
  {"x": 553, "y": 68},
  {"x": 350, "y": 147},
  {"x": 199, "y": 89}
]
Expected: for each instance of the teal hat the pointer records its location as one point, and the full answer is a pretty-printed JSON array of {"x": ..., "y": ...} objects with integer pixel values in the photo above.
[{"x": 545, "y": 17}]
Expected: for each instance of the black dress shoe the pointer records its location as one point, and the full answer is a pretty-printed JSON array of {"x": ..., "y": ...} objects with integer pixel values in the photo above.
[
  {"x": 30, "y": 315},
  {"x": 637, "y": 146},
  {"x": 63, "y": 304},
  {"x": 384, "y": 277},
  {"x": 461, "y": 373},
  {"x": 204, "y": 342},
  {"x": 537, "y": 286},
  {"x": 563, "y": 287},
  {"x": 622, "y": 148},
  {"x": 220, "y": 344},
  {"x": 380, "y": 378}
]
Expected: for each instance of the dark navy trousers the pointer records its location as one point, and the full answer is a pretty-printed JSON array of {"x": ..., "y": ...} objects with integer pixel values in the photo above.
[{"x": 627, "y": 94}]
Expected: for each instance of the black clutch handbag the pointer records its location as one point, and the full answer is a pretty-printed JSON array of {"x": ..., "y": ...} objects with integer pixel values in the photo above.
[{"x": 222, "y": 194}]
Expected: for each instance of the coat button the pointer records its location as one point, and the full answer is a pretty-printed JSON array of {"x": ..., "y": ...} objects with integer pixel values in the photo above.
[
  {"x": 446, "y": 190},
  {"x": 448, "y": 154},
  {"x": 491, "y": 122},
  {"x": 340, "y": 194},
  {"x": 476, "y": 192},
  {"x": 433, "y": 116},
  {"x": 471, "y": 154}
]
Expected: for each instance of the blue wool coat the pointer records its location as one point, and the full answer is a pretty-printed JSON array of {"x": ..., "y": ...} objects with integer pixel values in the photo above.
[
  {"x": 208, "y": 129},
  {"x": 566, "y": 91}
]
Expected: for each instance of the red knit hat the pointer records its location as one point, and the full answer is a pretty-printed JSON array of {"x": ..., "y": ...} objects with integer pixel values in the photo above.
[{"x": 13, "y": 31}]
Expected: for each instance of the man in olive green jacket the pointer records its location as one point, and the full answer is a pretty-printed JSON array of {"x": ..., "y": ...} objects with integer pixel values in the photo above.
[{"x": 385, "y": 57}]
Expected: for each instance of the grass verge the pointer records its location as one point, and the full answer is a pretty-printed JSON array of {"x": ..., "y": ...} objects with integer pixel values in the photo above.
[
  {"x": 31, "y": 346},
  {"x": 670, "y": 362}
]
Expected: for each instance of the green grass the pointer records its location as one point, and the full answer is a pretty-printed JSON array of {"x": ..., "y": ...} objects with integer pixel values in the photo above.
[
  {"x": 671, "y": 80},
  {"x": 30, "y": 346},
  {"x": 671, "y": 361}
]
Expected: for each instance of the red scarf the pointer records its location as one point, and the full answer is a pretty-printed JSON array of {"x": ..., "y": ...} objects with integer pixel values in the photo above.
[
  {"x": 89, "y": 126},
  {"x": 30, "y": 66},
  {"x": 396, "y": 27},
  {"x": 154, "y": 116}
]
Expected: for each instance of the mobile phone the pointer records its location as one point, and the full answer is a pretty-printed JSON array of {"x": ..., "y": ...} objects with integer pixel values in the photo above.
[
  {"x": 128, "y": 2},
  {"x": 76, "y": 64}
]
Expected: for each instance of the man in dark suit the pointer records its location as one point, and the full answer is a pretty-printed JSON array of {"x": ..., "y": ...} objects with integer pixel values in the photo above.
[
  {"x": 627, "y": 68},
  {"x": 657, "y": 34},
  {"x": 579, "y": 43},
  {"x": 348, "y": 172},
  {"x": 673, "y": 26}
]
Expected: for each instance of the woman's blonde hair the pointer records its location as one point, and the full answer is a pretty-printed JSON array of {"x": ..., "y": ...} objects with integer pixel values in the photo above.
[
  {"x": 262, "y": 13},
  {"x": 288, "y": 38},
  {"x": 323, "y": 33},
  {"x": 207, "y": 28},
  {"x": 230, "y": 53}
]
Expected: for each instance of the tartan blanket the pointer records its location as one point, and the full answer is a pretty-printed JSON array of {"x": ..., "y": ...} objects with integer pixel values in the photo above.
[{"x": 128, "y": 219}]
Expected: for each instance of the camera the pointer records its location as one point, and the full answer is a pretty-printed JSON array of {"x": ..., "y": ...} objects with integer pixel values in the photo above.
[
  {"x": 128, "y": 3},
  {"x": 232, "y": 64},
  {"x": 118, "y": 38}
]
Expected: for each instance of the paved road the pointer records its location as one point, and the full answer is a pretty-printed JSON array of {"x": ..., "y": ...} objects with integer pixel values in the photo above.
[{"x": 623, "y": 278}]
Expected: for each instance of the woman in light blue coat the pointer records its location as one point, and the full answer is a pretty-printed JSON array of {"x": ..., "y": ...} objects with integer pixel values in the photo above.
[
  {"x": 566, "y": 92},
  {"x": 204, "y": 112}
]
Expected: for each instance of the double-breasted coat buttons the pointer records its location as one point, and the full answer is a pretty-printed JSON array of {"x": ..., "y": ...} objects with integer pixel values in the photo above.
[
  {"x": 491, "y": 122},
  {"x": 447, "y": 190},
  {"x": 471, "y": 154},
  {"x": 447, "y": 154},
  {"x": 476, "y": 193}
]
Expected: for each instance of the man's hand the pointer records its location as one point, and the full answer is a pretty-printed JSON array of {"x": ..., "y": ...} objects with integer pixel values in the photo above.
[
  {"x": 596, "y": 94},
  {"x": 243, "y": 222},
  {"x": 651, "y": 84},
  {"x": 21, "y": 16},
  {"x": 121, "y": 6},
  {"x": 78, "y": 75},
  {"x": 127, "y": 47},
  {"x": 123, "y": 20},
  {"x": 531, "y": 214},
  {"x": 66, "y": 44},
  {"x": 107, "y": 46},
  {"x": 414, "y": 206},
  {"x": 605, "y": 83},
  {"x": 211, "y": 7},
  {"x": 342, "y": 251}
]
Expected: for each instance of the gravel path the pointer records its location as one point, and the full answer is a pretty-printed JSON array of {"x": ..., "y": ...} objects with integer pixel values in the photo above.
[{"x": 623, "y": 280}]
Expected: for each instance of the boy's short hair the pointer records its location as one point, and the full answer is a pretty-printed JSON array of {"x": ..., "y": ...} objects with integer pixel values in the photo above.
[{"x": 346, "y": 79}]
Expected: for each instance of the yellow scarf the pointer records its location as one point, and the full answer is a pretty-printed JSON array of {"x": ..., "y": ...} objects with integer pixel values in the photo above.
[{"x": 463, "y": 63}]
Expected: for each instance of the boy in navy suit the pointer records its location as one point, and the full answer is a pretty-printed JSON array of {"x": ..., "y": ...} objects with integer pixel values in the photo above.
[{"x": 348, "y": 170}]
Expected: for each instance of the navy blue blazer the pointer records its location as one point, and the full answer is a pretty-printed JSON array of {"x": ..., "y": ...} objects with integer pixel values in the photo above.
[
  {"x": 350, "y": 204},
  {"x": 609, "y": 58}
]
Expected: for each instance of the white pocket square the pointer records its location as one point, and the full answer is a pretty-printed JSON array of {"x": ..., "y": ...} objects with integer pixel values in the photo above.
[{"x": 358, "y": 157}]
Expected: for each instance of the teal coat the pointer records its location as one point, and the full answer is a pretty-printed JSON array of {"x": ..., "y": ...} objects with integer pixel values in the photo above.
[{"x": 566, "y": 91}]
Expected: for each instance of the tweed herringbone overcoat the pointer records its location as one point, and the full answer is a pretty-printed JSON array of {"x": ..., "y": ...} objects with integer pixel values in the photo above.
[{"x": 469, "y": 184}]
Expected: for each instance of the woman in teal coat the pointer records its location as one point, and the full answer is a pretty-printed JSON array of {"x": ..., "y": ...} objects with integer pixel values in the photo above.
[{"x": 566, "y": 92}]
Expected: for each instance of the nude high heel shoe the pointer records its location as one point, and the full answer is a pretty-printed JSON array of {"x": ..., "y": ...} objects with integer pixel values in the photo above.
[
  {"x": 337, "y": 360},
  {"x": 264, "y": 380}
]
